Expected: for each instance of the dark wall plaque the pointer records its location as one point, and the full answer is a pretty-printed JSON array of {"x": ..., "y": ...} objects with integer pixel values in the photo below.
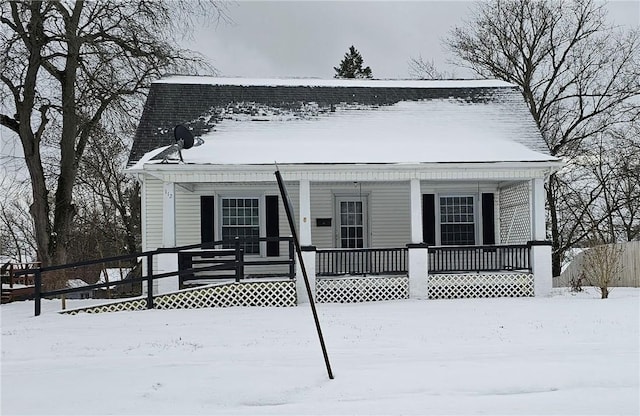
[{"x": 323, "y": 222}]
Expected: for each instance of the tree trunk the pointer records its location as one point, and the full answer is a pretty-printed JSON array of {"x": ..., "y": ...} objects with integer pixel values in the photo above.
[
  {"x": 604, "y": 292},
  {"x": 39, "y": 209},
  {"x": 69, "y": 154},
  {"x": 556, "y": 253}
]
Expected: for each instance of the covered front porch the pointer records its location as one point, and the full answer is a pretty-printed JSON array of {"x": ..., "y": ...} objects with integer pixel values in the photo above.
[
  {"x": 362, "y": 225},
  {"x": 356, "y": 275}
]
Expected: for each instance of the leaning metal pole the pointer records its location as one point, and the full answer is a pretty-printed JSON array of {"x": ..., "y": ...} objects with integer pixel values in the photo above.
[{"x": 289, "y": 210}]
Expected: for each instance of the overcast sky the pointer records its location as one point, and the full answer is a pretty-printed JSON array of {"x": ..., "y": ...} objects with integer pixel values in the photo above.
[{"x": 308, "y": 38}]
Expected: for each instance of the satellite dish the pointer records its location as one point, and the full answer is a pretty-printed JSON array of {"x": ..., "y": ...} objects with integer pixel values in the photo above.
[
  {"x": 183, "y": 138},
  {"x": 182, "y": 133}
]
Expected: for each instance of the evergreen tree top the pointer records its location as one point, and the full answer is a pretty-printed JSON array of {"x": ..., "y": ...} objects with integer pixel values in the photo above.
[{"x": 351, "y": 66}]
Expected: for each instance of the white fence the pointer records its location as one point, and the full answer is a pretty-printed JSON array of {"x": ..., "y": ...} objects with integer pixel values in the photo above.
[{"x": 629, "y": 274}]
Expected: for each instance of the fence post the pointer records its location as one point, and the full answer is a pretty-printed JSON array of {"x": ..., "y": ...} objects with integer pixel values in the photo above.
[
  {"x": 149, "y": 281},
  {"x": 38, "y": 291},
  {"x": 239, "y": 260},
  {"x": 292, "y": 264}
]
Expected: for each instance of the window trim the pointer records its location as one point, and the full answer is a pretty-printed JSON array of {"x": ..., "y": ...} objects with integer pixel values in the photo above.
[
  {"x": 477, "y": 225},
  {"x": 262, "y": 218}
]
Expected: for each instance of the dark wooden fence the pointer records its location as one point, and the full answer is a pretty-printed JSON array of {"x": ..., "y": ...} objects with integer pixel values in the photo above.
[
  {"x": 25, "y": 290},
  {"x": 218, "y": 263},
  {"x": 237, "y": 266}
]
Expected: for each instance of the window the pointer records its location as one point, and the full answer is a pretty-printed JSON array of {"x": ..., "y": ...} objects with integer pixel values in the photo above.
[
  {"x": 241, "y": 218},
  {"x": 457, "y": 220},
  {"x": 351, "y": 232}
]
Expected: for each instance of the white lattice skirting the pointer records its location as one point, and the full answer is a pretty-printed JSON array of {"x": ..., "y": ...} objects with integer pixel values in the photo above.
[
  {"x": 479, "y": 285},
  {"x": 364, "y": 289},
  {"x": 271, "y": 293}
]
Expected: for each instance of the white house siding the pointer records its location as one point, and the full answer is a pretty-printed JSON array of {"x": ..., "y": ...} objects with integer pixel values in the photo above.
[
  {"x": 515, "y": 217},
  {"x": 188, "y": 211},
  {"x": 152, "y": 235},
  {"x": 474, "y": 188},
  {"x": 187, "y": 217},
  {"x": 388, "y": 211}
]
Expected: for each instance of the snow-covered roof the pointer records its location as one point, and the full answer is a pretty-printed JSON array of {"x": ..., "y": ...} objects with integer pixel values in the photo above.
[
  {"x": 311, "y": 121},
  {"x": 317, "y": 82},
  {"x": 76, "y": 283},
  {"x": 113, "y": 274}
]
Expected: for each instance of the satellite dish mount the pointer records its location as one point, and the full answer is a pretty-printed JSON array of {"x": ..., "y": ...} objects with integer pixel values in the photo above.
[{"x": 183, "y": 138}]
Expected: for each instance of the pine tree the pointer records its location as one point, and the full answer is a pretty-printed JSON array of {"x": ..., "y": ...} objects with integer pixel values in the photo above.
[{"x": 351, "y": 66}]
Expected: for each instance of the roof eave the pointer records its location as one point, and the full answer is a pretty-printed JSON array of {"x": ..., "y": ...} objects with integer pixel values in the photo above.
[{"x": 553, "y": 165}]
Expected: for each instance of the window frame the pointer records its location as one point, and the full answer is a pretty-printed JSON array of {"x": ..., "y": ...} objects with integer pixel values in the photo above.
[
  {"x": 261, "y": 218},
  {"x": 477, "y": 215}
]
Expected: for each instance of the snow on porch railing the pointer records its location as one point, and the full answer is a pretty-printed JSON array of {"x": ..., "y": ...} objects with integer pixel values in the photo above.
[
  {"x": 361, "y": 261},
  {"x": 444, "y": 259}
]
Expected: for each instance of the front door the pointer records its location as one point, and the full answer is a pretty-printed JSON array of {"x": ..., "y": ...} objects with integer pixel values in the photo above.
[{"x": 351, "y": 229}]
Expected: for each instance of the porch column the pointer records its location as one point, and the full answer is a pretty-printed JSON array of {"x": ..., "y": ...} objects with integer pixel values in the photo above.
[
  {"x": 308, "y": 251},
  {"x": 168, "y": 262},
  {"x": 418, "y": 253},
  {"x": 305, "y": 212},
  {"x": 309, "y": 259},
  {"x": 416, "y": 212},
  {"x": 538, "y": 224},
  {"x": 541, "y": 267},
  {"x": 540, "y": 248},
  {"x": 418, "y": 270}
]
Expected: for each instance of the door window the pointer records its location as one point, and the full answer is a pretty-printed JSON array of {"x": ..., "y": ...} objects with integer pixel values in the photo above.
[{"x": 351, "y": 229}]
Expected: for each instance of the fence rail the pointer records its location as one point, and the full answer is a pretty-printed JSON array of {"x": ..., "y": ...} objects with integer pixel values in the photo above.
[
  {"x": 238, "y": 265},
  {"x": 446, "y": 259},
  {"x": 231, "y": 263},
  {"x": 8, "y": 272},
  {"x": 361, "y": 261}
]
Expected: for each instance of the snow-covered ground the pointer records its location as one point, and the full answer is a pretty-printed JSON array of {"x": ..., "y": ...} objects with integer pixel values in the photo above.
[{"x": 566, "y": 354}]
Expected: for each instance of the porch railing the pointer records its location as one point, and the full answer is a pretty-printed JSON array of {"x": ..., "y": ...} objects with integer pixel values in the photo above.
[
  {"x": 493, "y": 258},
  {"x": 361, "y": 261},
  {"x": 219, "y": 261},
  {"x": 40, "y": 274}
]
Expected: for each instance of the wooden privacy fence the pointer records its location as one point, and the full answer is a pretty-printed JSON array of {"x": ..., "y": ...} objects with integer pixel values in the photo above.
[{"x": 629, "y": 271}]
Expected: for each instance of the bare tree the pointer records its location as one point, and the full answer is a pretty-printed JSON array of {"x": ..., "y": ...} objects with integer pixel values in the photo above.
[
  {"x": 421, "y": 69},
  {"x": 66, "y": 65},
  {"x": 577, "y": 74},
  {"x": 602, "y": 265},
  {"x": 110, "y": 194},
  {"x": 16, "y": 228}
]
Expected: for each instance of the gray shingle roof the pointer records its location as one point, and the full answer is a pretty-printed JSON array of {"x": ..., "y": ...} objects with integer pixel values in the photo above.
[{"x": 201, "y": 103}]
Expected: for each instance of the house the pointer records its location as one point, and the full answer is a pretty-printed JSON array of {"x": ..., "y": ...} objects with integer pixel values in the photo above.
[
  {"x": 76, "y": 284},
  {"x": 110, "y": 275},
  {"x": 421, "y": 189}
]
